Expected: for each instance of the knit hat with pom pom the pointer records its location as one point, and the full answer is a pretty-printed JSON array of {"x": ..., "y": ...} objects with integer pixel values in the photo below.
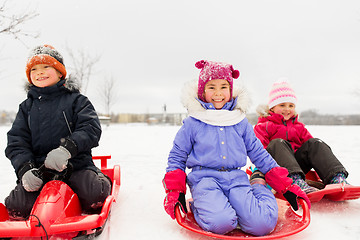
[
  {"x": 281, "y": 92},
  {"x": 45, "y": 54},
  {"x": 214, "y": 70}
]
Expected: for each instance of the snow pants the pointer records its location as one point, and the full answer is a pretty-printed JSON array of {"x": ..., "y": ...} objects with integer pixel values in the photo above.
[
  {"x": 314, "y": 153},
  {"x": 222, "y": 200},
  {"x": 91, "y": 187}
]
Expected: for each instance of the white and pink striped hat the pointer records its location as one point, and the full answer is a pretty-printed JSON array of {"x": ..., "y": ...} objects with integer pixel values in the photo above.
[{"x": 281, "y": 92}]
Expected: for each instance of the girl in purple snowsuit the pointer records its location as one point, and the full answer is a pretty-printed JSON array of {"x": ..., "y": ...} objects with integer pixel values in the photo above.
[{"x": 215, "y": 141}]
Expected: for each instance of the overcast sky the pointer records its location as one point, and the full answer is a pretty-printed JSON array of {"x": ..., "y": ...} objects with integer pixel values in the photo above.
[{"x": 150, "y": 48}]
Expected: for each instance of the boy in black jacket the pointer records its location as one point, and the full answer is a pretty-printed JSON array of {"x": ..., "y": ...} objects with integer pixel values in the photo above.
[{"x": 54, "y": 126}]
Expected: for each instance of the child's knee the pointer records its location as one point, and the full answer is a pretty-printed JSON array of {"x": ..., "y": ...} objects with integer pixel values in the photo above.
[
  {"x": 260, "y": 225},
  {"x": 18, "y": 210},
  {"x": 93, "y": 194},
  {"x": 263, "y": 227},
  {"x": 19, "y": 203},
  {"x": 222, "y": 223},
  {"x": 101, "y": 190}
]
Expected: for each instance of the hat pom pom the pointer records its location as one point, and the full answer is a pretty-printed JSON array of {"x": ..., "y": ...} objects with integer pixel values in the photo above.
[
  {"x": 200, "y": 64},
  {"x": 235, "y": 74},
  {"x": 49, "y": 46}
]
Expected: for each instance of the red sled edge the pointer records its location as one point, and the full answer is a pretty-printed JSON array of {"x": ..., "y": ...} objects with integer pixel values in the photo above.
[
  {"x": 333, "y": 192},
  {"x": 183, "y": 220},
  {"x": 336, "y": 192}
]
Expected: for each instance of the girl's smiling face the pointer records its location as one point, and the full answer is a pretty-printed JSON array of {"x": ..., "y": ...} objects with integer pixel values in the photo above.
[
  {"x": 287, "y": 110},
  {"x": 217, "y": 92},
  {"x": 44, "y": 75}
]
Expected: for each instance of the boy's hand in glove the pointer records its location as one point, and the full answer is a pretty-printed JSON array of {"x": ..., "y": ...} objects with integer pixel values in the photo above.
[
  {"x": 175, "y": 187},
  {"x": 278, "y": 179},
  {"x": 30, "y": 181},
  {"x": 57, "y": 159}
]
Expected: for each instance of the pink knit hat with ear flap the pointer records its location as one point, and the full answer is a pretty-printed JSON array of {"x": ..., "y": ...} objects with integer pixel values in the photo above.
[
  {"x": 215, "y": 70},
  {"x": 281, "y": 92}
]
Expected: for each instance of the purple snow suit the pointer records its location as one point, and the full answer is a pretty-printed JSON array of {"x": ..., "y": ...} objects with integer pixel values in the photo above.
[{"x": 215, "y": 148}]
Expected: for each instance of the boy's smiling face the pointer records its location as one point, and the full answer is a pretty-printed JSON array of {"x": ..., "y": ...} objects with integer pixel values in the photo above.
[
  {"x": 217, "y": 92},
  {"x": 44, "y": 75}
]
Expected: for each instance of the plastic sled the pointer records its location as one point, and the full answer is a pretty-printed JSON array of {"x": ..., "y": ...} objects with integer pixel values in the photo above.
[
  {"x": 57, "y": 213},
  {"x": 334, "y": 192},
  {"x": 289, "y": 223}
]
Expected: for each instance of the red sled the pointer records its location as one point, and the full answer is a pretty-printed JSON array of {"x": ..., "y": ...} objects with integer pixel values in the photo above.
[
  {"x": 334, "y": 192},
  {"x": 57, "y": 213},
  {"x": 289, "y": 223}
]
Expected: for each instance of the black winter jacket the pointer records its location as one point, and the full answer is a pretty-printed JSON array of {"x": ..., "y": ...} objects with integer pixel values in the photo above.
[{"x": 48, "y": 115}]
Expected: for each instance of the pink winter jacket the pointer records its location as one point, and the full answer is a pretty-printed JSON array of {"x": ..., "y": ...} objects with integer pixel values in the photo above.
[{"x": 274, "y": 126}]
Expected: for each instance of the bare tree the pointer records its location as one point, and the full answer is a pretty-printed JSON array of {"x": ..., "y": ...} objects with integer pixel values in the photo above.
[
  {"x": 83, "y": 66},
  {"x": 12, "y": 24},
  {"x": 108, "y": 94}
]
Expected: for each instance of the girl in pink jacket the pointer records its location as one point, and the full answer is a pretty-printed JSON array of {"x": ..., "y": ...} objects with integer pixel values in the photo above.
[{"x": 291, "y": 144}]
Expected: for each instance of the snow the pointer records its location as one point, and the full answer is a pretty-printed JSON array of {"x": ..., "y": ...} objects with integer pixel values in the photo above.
[{"x": 141, "y": 151}]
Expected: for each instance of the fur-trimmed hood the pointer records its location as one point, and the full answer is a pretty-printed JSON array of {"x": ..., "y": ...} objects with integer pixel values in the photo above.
[
  {"x": 190, "y": 101},
  {"x": 263, "y": 110},
  {"x": 71, "y": 83}
]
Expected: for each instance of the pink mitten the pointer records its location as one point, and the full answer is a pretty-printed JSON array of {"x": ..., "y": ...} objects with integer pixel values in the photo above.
[
  {"x": 175, "y": 187},
  {"x": 278, "y": 179}
]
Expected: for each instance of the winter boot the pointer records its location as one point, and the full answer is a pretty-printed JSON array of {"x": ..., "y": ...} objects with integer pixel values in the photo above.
[
  {"x": 257, "y": 177},
  {"x": 339, "y": 178},
  {"x": 297, "y": 179}
]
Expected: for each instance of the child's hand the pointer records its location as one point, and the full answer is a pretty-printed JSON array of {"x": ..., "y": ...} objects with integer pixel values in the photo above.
[
  {"x": 278, "y": 179},
  {"x": 30, "y": 181},
  {"x": 292, "y": 193},
  {"x": 171, "y": 200},
  {"x": 57, "y": 159},
  {"x": 175, "y": 187}
]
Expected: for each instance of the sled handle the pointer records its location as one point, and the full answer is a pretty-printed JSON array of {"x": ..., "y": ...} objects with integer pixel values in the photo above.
[
  {"x": 180, "y": 217},
  {"x": 306, "y": 211},
  {"x": 103, "y": 160},
  {"x": 47, "y": 174}
]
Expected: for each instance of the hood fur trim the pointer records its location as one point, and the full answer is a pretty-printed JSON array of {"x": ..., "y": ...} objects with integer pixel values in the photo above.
[
  {"x": 190, "y": 102},
  {"x": 263, "y": 110},
  {"x": 215, "y": 117}
]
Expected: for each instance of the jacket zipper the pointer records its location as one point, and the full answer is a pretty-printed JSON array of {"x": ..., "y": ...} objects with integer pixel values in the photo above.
[{"x": 287, "y": 136}]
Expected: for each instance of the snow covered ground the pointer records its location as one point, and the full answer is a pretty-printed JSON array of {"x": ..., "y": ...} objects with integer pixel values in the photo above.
[{"x": 141, "y": 151}]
